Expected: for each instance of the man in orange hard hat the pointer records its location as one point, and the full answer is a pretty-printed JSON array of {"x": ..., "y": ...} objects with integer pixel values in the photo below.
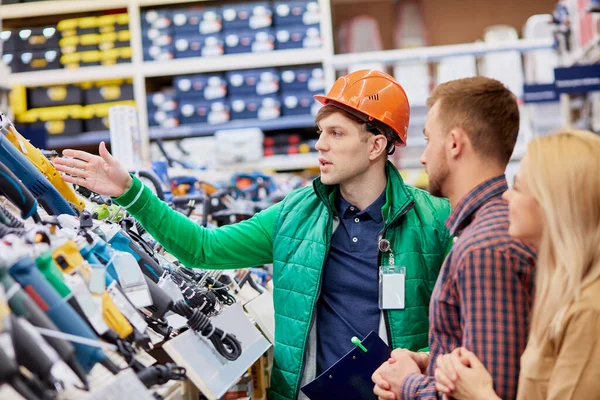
[{"x": 328, "y": 243}]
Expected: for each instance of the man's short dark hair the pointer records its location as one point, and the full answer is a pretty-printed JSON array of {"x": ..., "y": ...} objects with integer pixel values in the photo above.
[{"x": 485, "y": 109}]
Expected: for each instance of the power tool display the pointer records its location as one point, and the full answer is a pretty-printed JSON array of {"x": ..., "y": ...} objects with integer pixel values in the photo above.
[{"x": 83, "y": 285}]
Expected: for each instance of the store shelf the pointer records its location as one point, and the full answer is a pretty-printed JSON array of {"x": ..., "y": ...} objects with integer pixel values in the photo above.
[
  {"x": 56, "y": 76},
  {"x": 434, "y": 53},
  {"x": 83, "y": 139},
  {"x": 278, "y": 163},
  {"x": 59, "y": 7},
  {"x": 279, "y": 58},
  {"x": 152, "y": 3},
  {"x": 198, "y": 65},
  {"x": 589, "y": 54},
  {"x": 43, "y": 8},
  {"x": 196, "y": 130}
]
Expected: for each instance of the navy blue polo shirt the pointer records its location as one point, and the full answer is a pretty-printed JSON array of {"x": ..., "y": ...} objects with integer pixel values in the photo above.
[{"x": 349, "y": 301}]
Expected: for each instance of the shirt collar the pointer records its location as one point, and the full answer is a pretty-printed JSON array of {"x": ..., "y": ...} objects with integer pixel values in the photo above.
[
  {"x": 460, "y": 217},
  {"x": 374, "y": 210}
]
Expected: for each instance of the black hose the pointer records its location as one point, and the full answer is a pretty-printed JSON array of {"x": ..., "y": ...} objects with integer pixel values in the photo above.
[
  {"x": 9, "y": 219},
  {"x": 161, "y": 374},
  {"x": 139, "y": 228},
  {"x": 160, "y": 326},
  {"x": 5, "y": 230},
  {"x": 226, "y": 344},
  {"x": 156, "y": 182},
  {"x": 127, "y": 224}
]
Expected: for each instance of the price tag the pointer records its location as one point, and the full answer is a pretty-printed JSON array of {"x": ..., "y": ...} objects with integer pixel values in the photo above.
[{"x": 126, "y": 308}]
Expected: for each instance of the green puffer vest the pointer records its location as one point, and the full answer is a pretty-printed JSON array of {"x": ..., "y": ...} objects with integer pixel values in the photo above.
[{"x": 414, "y": 225}]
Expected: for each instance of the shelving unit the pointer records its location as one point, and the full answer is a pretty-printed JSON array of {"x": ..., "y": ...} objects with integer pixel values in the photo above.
[
  {"x": 279, "y": 163},
  {"x": 83, "y": 139},
  {"x": 183, "y": 131},
  {"x": 58, "y": 76},
  {"x": 229, "y": 62},
  {"x": 436, "y": 53},
  {"x": 141, "y": 70},
  {"x": 60, "y": 7}
]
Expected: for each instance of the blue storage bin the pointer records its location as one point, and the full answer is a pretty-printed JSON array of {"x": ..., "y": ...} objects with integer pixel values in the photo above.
[
  {"x": 303, "y": 79},
  {"x": 7, "y": 59},
  {"x": 298, "y": 103},
  {"x": 296, "y": 12},
  {"x": 259, "y": 41},
  {"x": 165, "y": 100},
  {"x": 200, "y": 111},
  {"x": 298, "y": 37},
  {"x": 159, "y": 18},
  {"x": 159, "y": 53},
  {"x": 201, "y": 20},
  {"x": 195, "y": 45},
  {"x": 157, "y": 37},
  {"x": 255, "y": 15},
  {"x": 257, "y": 82},
  {"x": 201, "y": 87},
  {"x": 255, "y": 107},
  {"x": 165, "y": 119}
]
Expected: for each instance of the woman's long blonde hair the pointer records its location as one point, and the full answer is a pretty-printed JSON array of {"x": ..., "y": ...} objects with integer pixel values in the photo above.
[{"x": 563, "y": 174}]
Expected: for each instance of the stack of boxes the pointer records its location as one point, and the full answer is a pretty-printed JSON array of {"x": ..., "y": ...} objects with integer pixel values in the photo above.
[
  {"x": 93, "y": 41},
  {"x": 7, "y": 40},
  {"x": 254, "y": 27},
  {"x": 157, "y": 35},
  {"x": 198, "y": 32},
  {"x": 72, "y": 43},
  {"x": 297, "y": 24},
  {"x": 257, "y": 94},
  {"x": 68, "y": 109},
  {"x": 31, "y": 49}
]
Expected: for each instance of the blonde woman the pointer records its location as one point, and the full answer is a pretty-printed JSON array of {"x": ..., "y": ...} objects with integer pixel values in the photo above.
[{"x": 555, "y": 204}]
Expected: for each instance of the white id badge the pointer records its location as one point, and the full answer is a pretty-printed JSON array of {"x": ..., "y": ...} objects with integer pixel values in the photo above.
[{"x": 391, "y": 287}]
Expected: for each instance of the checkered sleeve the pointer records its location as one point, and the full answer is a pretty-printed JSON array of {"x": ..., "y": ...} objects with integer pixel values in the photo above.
[
  {"x": 417, "y": 386},
  {"x": 495, "y": 307}
]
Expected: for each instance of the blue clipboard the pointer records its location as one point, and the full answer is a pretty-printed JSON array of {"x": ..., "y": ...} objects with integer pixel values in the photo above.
[{"x": 350, "y": 377}]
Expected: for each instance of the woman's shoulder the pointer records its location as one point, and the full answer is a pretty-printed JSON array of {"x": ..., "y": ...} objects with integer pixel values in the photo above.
[
  {"x": 584, "y": 313},
  {"x": 589, "y": 300}
]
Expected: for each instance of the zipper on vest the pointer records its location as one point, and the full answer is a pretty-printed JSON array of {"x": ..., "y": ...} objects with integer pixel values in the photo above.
[
  {"x": 314, "y": 311},
  {"x": 386, "y": 316}
]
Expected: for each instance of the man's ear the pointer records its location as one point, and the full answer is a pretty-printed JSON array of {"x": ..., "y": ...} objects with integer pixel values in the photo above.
[
  {"x": 457, "y": 141},
  {"x": 379, "y": 145}
]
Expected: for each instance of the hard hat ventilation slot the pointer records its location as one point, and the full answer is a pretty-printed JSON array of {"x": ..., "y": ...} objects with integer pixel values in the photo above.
[{"x": 373, "y": 97}]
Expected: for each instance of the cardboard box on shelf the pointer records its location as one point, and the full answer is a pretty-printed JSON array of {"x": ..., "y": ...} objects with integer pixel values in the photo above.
[
  {"x": 258, "y": 82},
  {"x": 254, "y": 15},
  {"x": 298, "y": 37},
  {"x": 250, "y": 41},
  {"x": 296, "y": 12}
]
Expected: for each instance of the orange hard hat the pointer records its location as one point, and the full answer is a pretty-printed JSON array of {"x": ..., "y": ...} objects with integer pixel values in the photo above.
[{"x": 373, "y": 96}]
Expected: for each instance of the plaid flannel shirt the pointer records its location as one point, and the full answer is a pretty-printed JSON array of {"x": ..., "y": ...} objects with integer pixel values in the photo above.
[{"x": 483, "y": 296}]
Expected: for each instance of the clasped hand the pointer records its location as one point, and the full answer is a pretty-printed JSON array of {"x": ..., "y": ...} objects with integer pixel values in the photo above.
[{"x": 389, "y": 376}]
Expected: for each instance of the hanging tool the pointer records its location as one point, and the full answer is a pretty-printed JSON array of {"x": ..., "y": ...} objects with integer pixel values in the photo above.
[
  {"x": 39, "y": 160},
  {"x": 12, "y": 188},
  {"x": 61, "y": 313},
  {"x": 23, "y": 306},
  {"x": 50, "y": 198}
]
